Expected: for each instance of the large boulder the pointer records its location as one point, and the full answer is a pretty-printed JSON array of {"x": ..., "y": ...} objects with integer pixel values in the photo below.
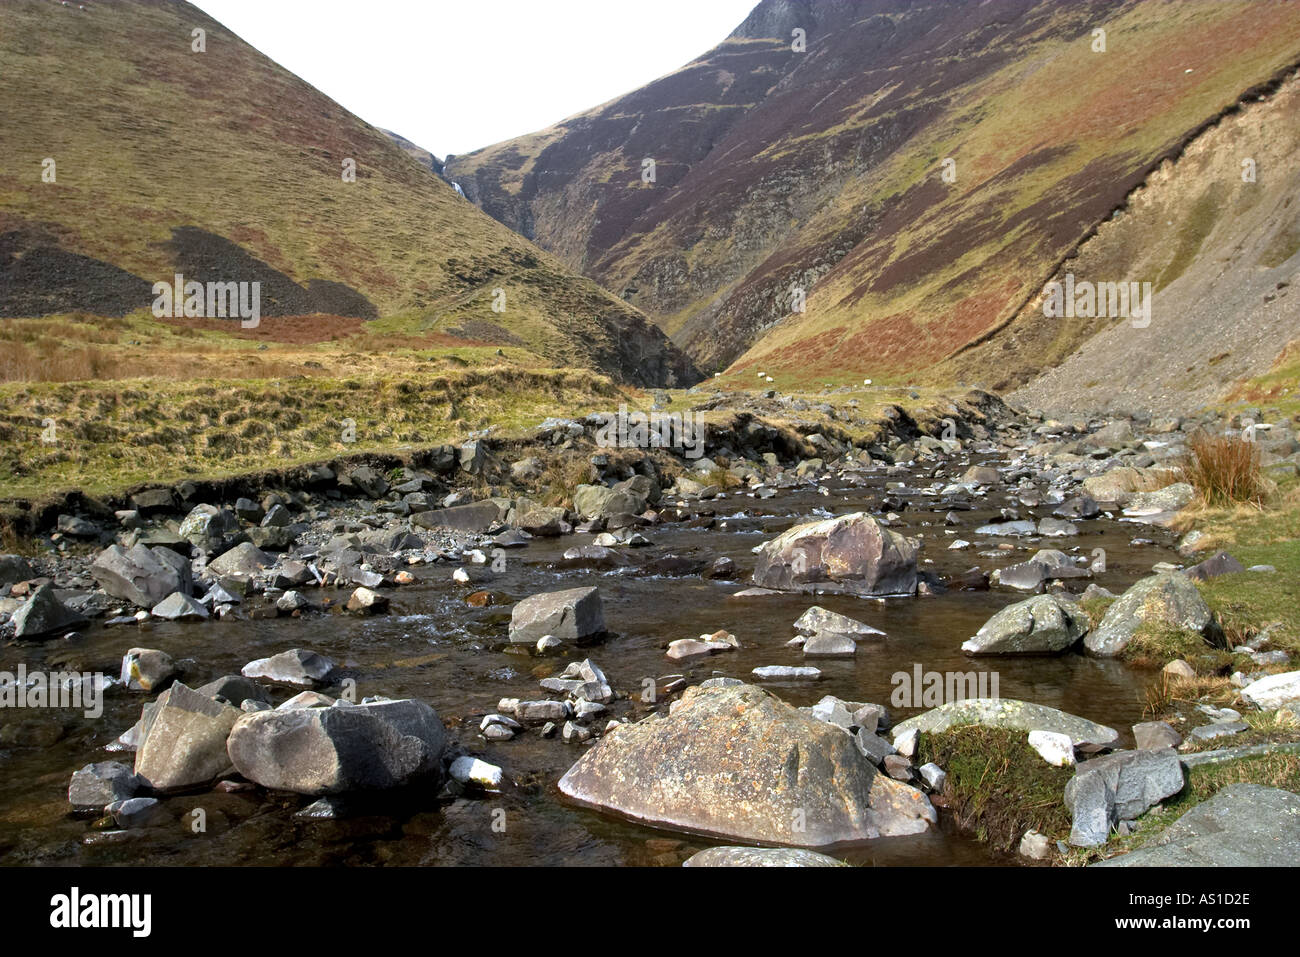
[
  {"x": 316, "y": 751},
  {"x": 142, "y": 576},
  {"x": 1008, "y": 713},
  {"x": 570, "y": 615},
  {"x": 1169, "y": 599},
  {"x": 206, "y": 527},
  {"x": 1042, "y": 625},
  {"x": 1119, "y": 787},
  {"x": 738, "y": 762},
  {"x": 44, "y": 614},
  {"x": 851, "y": 554},
  {"x": 184, "y": 739},
  {"x": 14, "y": 569}
]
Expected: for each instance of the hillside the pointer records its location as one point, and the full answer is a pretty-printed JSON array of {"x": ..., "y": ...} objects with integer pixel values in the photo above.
[
  {"x": 1222, "y": 254},
  {"x": 825, "y": 170},
  {"x": 221, "y": 165}
]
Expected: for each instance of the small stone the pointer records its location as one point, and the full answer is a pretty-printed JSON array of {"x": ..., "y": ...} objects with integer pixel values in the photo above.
[
  {"x": 469, "y": 770},
  {"x": 1054, "y": 748}
]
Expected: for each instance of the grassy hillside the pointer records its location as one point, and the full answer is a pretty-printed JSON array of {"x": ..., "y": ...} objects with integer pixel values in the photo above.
[
  {"x": 825, "y": 169},
  {"x": 224, "y": 166}
]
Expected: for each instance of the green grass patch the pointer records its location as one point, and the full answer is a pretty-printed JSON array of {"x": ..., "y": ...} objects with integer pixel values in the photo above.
[{"x": 998, "y": 786}]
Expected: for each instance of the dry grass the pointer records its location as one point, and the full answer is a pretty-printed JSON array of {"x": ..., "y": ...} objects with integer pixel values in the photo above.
[{"x": 1224, "y": 470}]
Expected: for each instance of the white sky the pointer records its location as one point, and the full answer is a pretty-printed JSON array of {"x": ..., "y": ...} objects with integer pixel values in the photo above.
[{"x": 457, "y": 76}]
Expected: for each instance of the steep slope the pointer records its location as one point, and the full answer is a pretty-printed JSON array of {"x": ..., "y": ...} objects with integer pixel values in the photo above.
[
  {"x": 219, "y": 164},
  {"x": 824, "y": 170},
  {"x": 1222, "y": 253}
]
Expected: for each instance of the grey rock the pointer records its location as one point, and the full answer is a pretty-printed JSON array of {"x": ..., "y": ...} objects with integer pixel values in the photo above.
[
  {"x": 1045, "y": 624},
  {"x": 757, "y": 770},
  {"x": 1167, "y": 599},
  {"x": 142, "y": 576},
  {"x": 295, "y": 667},
  {"x": 1012, "y": 714},
  {"x": 44, "y": 614},
  {"x": 184, "y": 743},
  {"x": 101, "y": 784},
  {"x": 571, "y": 615},
  {"x": 760, "y": 857},
  {"x": 147, "y": 669},
  {"x": 1243, "y": 825},
  {"x": 320, "y": 751},
  {"x": 1155, "y": 735},
  {"x": 1119, "y": 787},
  {"x": 178, "y": 606},
  {"x": 850, "y": 554}
]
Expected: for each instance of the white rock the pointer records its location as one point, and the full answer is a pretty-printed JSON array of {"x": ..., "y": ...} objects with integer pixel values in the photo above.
[
  {"x": 460, "y": 576},
  {"x": 1056, "y": 749},
  {"x": 906, "y": 742},
  {"x": 1273, "y": 691},
  {"x": 466, "y": 769}
]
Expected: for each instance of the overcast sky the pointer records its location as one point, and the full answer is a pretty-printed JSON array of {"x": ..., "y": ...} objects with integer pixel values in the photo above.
[{"x": 454, "y": 77}]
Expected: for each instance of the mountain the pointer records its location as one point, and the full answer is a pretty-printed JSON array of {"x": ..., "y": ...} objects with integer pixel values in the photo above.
[
  {"x": 174, "y": 152},
  {"x": 417, "y": 152},
  {"x": 828, "y": 171}
]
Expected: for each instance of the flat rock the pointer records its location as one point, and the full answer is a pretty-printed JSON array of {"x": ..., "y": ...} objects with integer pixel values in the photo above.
[
  {"x": 1012, "y": 714},
  {"x": 1243, "y": 825},
  {"x": 298, "y": 667}
]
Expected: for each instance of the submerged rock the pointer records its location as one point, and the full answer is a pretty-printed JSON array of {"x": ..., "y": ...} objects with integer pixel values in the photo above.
[
  {"x": 760, "y": 857},
  {"x": 739, "y": 762}
]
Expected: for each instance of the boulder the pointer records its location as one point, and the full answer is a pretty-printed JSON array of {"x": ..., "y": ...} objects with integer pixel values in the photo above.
[
  {"x": 1119, "y": 787},
  {"x": 851, "y": 554},
  {"x": 479, "y": 517},
  {"x": 1043, "y": 625},
  {"x": 1008, "y": 713},
  {"x": 14, "y": 569},
  {"x": 738, "y": 762},
  {"x": 1220, "y": 563},
  {"x": 184, "y": 740},
  {"x": 318, "y": 751},
  {"x": 1155, "y": 735},
  {"x": 597, "y": 501},
  {"x": 140, "y": 575},
  {"x": 44, "y": 614},
  {"x": 1169, "y": 599},
  {"x": 571, "y": 615},
  {"x": 243, "y": 561}
]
